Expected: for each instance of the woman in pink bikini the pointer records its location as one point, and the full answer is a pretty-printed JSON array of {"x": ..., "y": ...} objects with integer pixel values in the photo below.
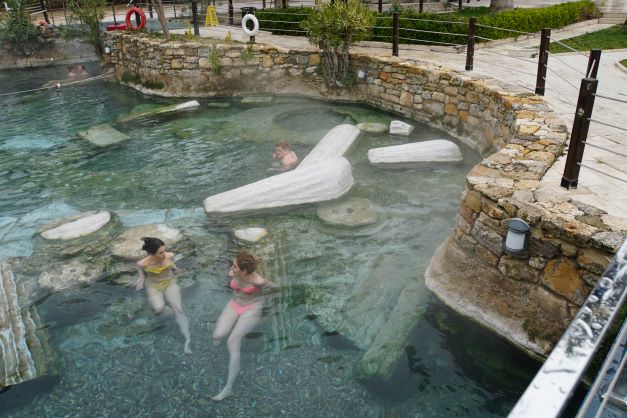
[{"x": 241, "y": 313}]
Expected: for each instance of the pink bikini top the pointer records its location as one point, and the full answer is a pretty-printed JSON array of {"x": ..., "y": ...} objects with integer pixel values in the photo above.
[{"x": 246, "y": 290}]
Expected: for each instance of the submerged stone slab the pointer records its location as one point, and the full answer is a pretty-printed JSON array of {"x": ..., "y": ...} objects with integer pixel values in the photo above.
[
  {"x": 438, "y": 150},
  {"x": 333, "y": 145},
  {"x": 128, "y": 245},
  {"x": 251, "y": 234},
  {"x": 353, "y": 212},
  {"x": 256, "y": 99},
  {"x": 69, "y": 274},
  {"x": 400, "y": 128},
  {"x": 373, "y": 127},
  {"x": 103, "y": 135},
  {"x": 315, "y": 183},
  {"x": 77, "y": 226},
  {"x": 24, "y": 348},
  {"x": 160, "y": 110}
]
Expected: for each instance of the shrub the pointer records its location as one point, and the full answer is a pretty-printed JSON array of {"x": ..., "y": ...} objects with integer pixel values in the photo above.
[
  {"x": 334, "y": 27},
  {"x": 17, "y": 28},
  {"x": 91, "y": 13},
  {"x": 284, "y": 21}
]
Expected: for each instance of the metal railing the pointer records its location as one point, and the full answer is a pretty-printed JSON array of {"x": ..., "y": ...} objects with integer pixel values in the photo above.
[{"x": 581, "y": 125}]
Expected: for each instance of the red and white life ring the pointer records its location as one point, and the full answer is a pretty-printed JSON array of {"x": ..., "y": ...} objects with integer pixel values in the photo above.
[{"x": 142, "y": 18}]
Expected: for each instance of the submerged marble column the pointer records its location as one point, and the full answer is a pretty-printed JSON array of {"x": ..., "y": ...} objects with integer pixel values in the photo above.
[{"x": 22, "y": 351}]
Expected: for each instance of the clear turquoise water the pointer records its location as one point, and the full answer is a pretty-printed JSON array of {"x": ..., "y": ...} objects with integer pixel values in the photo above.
[{"x": 113, "y": 358}]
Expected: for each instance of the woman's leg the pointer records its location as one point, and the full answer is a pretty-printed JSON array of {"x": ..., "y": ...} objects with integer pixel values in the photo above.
[
  {"x": 244, "y": 325},
  {"x": 156, "y": 300},
  {"x": 173, "y": 296},
  {"x": 226, "y": 320}
]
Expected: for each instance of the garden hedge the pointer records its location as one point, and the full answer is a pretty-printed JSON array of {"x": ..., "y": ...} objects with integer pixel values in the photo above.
[{"x": 286, "y": 22}]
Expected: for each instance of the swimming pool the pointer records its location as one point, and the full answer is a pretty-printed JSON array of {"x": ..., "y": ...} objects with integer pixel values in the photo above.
[{"x": 114, "y": 358}]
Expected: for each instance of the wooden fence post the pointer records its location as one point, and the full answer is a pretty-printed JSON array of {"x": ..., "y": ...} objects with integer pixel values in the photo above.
[
  {"x": 421, "y": 6},
  {"x": 581, "y": 123},
  {"x": 470, "y": 48},
  {"x": 195, "y": 18},
  {"x": 395, "y": 32},
  {"x": 230, "y": 12},
  {"x": 380, "y": 6},
  {"x": 543, "y": 61}
]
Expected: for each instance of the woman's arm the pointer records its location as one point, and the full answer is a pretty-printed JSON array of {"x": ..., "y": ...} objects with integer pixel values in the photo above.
[
  {"x": 139, "y": 283},
  {"x": 266, "y": 286}
]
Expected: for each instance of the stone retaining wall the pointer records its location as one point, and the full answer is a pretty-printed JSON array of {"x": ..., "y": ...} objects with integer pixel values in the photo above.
[{"x": 529, "y": 299}]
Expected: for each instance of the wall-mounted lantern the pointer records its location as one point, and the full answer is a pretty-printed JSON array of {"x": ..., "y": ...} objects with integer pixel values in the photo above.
[
  {"x": 361, "y": 74},
  {"x": 517, "y": 239},
  {"x": 107, "y": 49}
]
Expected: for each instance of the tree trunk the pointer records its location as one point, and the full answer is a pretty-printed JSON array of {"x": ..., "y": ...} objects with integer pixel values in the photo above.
[
  {"x": 158, "y": 6},
  {"x": 498, "y": 5}
]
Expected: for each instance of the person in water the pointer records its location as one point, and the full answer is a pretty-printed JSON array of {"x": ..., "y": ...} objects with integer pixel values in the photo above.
[
  {"x": 288, "y": 159},
  {"x": 242, "y": 313},
  {"x": 157, "y": 275}
]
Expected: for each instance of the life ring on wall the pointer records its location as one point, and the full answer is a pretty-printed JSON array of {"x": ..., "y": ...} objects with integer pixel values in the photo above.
[
  {"x": 142, "y": 18},
  {"x": 245, "y": 20}
]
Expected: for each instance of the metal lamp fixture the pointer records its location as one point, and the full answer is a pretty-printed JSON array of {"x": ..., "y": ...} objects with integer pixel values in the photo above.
[
  {"x": 107, "y": 49},
  {"x": 517, "y": 239},
  {"x": 361, "y": 74}
]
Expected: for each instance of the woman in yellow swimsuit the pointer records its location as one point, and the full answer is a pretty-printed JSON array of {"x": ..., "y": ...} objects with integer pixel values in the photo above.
[
  {"x": 156, "y": 274},
  {"x": 241, "y": 313}
]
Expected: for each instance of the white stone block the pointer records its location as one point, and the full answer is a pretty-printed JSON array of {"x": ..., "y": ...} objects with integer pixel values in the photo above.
[
  {"x": 400, "y": 128},
  {"x": 438, "y": 150}
]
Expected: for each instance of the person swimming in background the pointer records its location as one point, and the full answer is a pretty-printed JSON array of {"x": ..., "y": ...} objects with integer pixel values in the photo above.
[
  {"x": 242, "y": 313},
  {"x": 157, "y": 275},
  {"x": 288, "y": 158}
]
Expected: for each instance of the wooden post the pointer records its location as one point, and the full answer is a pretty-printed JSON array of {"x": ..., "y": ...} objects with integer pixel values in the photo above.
[
  {"x": 543, "y": 61},
  {"x": 579, "y": 134},
  {"x": 593, "y": 63},
  {"x": 43, "y": 8},
  {"x": 421, "y": 6},
  {"x": 195, "y": 18},
  {"x": 380, "y": 6},
  {"x": 150, "y": 9},
  {"x": 263, "y": 4},
  {"x": 230, "y": 12},
  {"x": 115, "y": 21},
  {"x": 459, "y": 5},
  {"x": 470, "y": 48},
  {"x": 395, "y": 32},
  {"x": 284, "y": 4}
]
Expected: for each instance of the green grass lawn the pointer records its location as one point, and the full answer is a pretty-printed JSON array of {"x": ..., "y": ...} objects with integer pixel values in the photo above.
[
  {"x": 610, "y": 38},
  {"x": 624, "y": 62}
]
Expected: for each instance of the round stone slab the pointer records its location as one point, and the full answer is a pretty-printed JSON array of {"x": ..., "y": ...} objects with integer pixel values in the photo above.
[
  {"x": 373, "y": 127},
  {"x": 78, "y": 225},
  {"x": 251, "y": 234},
  {"x": 128, "y": 245},
  {"x": 353, "y": 212}
]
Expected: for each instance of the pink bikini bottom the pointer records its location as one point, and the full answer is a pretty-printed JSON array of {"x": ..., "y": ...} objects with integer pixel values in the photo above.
[{"x": 241, "y": 309}]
